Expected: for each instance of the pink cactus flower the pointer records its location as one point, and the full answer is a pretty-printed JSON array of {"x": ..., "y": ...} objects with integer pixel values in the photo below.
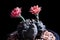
[
  {"x": 35, "y": 9},
  {"x": 16, "y": 12}
]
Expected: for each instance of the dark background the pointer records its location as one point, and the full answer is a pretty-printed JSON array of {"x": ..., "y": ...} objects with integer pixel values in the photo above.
[{"x": 7, "y": 24}]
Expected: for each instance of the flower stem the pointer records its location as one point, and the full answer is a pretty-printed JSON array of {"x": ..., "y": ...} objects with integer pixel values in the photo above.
[
  {"x": 40, "y": 23},
  {"x": 22, "y": 18},
  {"x": 37, "y": 16}
]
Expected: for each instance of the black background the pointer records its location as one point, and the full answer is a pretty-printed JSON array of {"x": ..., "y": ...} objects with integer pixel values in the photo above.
[{"x": 7, "y": 24}]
